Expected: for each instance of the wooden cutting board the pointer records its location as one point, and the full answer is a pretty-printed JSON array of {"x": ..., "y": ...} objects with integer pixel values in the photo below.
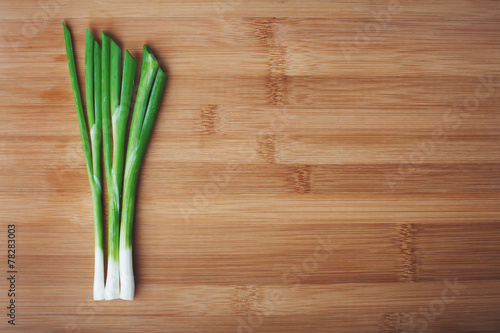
[{"x": 317, "y": 166}]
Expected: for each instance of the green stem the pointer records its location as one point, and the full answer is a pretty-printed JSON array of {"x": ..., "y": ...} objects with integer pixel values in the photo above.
[
  {"x": 78, "y": 101},
  {"x": 96, "y": 131},
  {"x": 113, "y": 204},
  {"x": 91, "y": 160},
  {"x": 106, "y": 125},
  {"x": 98, "y": 99},
  {"x": 129, "y": 70},
  {"x": 120, "y": 119},
  {"x": 152, "y": 112},
  {"x": 89, "y": 77},
  {"x": 112, "y": 282},
  {"x": 115, "y": 77},
  {"x": 148, "y": 71},
  {"x": 96, "y": 128},
  {"x": 113, "y": 192},
  {"x": 145, "y": 112},
  {"x": 133, "y": 168}
]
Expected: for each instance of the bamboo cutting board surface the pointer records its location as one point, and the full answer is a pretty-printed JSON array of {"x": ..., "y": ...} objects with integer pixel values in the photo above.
[{"x": 317, "y": 166}]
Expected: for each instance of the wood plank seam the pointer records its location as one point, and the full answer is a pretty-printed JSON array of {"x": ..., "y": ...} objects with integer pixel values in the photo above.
[
  {"x": 302, "y": 178},
  {"x": 407, "y": 245},
  {"x": 209, "y": 115},
  {"x": 267, "y": 148},
  {"x": 269, "y": 33},
  {"x": 397, "y": 322}
]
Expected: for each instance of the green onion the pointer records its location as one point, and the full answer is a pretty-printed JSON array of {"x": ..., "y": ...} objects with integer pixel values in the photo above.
[
  {"x": 111, "y": 284},
  {"x": 92, "y": 156},
  {"x": 145, "y": 111},
  {"x": 119, "y": 110},
  {"x": 108, "y": 96}
]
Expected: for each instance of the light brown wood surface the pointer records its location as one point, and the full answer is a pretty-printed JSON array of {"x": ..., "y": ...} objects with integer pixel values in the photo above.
[{"x": 317, "y": 166}]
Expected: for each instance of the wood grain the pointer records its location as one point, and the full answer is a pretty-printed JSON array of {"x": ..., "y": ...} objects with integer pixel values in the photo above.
[{"x": 317, "y": 166}]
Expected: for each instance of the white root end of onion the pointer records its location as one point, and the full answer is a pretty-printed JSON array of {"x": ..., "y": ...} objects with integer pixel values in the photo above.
[
  {"x": 112, "y": 290},
  {"x": 127, "y": 284},
  {"x": 98, "y": 275}
]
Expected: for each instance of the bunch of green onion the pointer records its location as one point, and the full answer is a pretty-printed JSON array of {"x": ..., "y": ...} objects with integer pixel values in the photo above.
[{"x": 108, "y": 96}]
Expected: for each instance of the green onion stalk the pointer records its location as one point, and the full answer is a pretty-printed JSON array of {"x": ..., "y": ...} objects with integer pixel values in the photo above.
[
  {"x": 116, "y": 106},
  {"x": 151, "y": 86},
  {"x": 92, "y": 146}
]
